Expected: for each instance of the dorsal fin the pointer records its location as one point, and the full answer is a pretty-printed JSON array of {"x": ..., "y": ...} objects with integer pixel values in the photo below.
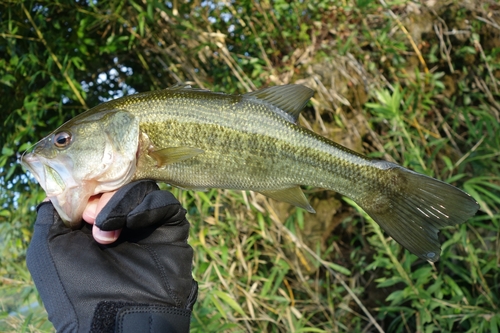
[
  {"x": 179, "y": 86},
  {"x": 186, "y": 86},
  {"x": 290, "y": 98}
]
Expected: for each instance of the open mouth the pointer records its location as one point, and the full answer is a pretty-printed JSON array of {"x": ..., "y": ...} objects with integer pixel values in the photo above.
[
  {"x": 33, "y": 164},
  {"x": 48, "y": 177}
]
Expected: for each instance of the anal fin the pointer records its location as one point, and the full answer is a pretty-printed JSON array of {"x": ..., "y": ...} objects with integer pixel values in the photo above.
[
  {"x": 292, "y": 195},
  {"x": 171, "y": 155}
]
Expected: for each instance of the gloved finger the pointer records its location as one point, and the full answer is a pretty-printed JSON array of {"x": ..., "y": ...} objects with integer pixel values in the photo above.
[
  {"x": 45, "y": 213},
  {"x": 48, "y": 223},
  {"x": 157, "y": 206},
  {"x": 114, "y": 215}
]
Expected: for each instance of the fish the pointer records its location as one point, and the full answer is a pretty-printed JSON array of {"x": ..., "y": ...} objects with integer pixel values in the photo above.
[{"x": 198, "y": 139}]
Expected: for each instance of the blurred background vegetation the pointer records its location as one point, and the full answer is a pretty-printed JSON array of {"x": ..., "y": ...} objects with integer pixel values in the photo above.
[{"x": 416, "y": 82}]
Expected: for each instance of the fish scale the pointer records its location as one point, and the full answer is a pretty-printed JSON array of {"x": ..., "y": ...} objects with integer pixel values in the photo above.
[{"x": 198, "y": 139}]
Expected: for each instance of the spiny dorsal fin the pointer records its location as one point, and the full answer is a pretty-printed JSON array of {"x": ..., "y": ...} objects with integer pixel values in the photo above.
[
  {"x": 292, "y": 195},
  {"x": 179, "y": 86},
  {"x": 186, "y": 86},
  {"x": 290, "y": 98}
]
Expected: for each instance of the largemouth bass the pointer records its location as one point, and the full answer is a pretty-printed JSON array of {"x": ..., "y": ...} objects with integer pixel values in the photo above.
[{"x": 197, "y": 139}]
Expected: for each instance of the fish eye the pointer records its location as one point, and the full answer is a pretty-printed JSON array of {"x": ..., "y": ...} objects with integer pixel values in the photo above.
[{"x": 62, "y": 139}]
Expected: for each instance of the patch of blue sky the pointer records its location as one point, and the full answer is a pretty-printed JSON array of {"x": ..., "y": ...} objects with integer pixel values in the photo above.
[{"x": 112, "y": 79}]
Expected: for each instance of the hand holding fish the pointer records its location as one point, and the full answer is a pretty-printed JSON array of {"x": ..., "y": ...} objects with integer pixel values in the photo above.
[
  {"x": 94, "y": 206},
  {"x": 142, "y": 282}
]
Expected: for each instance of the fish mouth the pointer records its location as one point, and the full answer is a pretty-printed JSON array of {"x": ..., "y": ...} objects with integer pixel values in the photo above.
[
  {"x": 52, "y": 176},
  {"x": 56, "y": 180}
]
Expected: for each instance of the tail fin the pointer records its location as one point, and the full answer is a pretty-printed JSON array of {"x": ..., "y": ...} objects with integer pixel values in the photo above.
[{"x": 415, "y": 207}]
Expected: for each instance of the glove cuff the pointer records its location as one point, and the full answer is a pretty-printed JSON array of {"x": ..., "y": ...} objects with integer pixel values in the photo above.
[
  {"x": 151, "y": 318},
  {"x": 122, "y": 317}
]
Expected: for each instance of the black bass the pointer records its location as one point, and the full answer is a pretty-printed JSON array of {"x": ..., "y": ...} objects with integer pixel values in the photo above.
[{"x": 197, "y": 139}]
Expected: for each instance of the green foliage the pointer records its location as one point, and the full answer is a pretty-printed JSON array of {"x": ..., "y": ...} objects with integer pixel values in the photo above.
[{"x": 405, "y": 82}]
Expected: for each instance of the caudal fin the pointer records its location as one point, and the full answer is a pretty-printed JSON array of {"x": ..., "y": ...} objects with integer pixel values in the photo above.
[{"x": 416, "y": 207}]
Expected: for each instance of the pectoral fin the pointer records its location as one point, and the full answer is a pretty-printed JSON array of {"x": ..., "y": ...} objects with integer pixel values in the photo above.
[
  {"x": 292, "y": 195},
  {"x": 174, "y": 154}
]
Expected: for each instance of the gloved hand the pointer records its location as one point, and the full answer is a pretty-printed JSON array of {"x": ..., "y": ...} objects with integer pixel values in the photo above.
[{"x": 140, "y": 283}]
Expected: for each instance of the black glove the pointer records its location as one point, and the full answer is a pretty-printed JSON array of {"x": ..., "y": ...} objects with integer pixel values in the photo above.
[{"x": 140, "y": 283}]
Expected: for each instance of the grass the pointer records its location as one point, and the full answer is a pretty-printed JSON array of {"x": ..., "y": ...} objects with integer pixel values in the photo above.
[{"x": 394, "y": 81}]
